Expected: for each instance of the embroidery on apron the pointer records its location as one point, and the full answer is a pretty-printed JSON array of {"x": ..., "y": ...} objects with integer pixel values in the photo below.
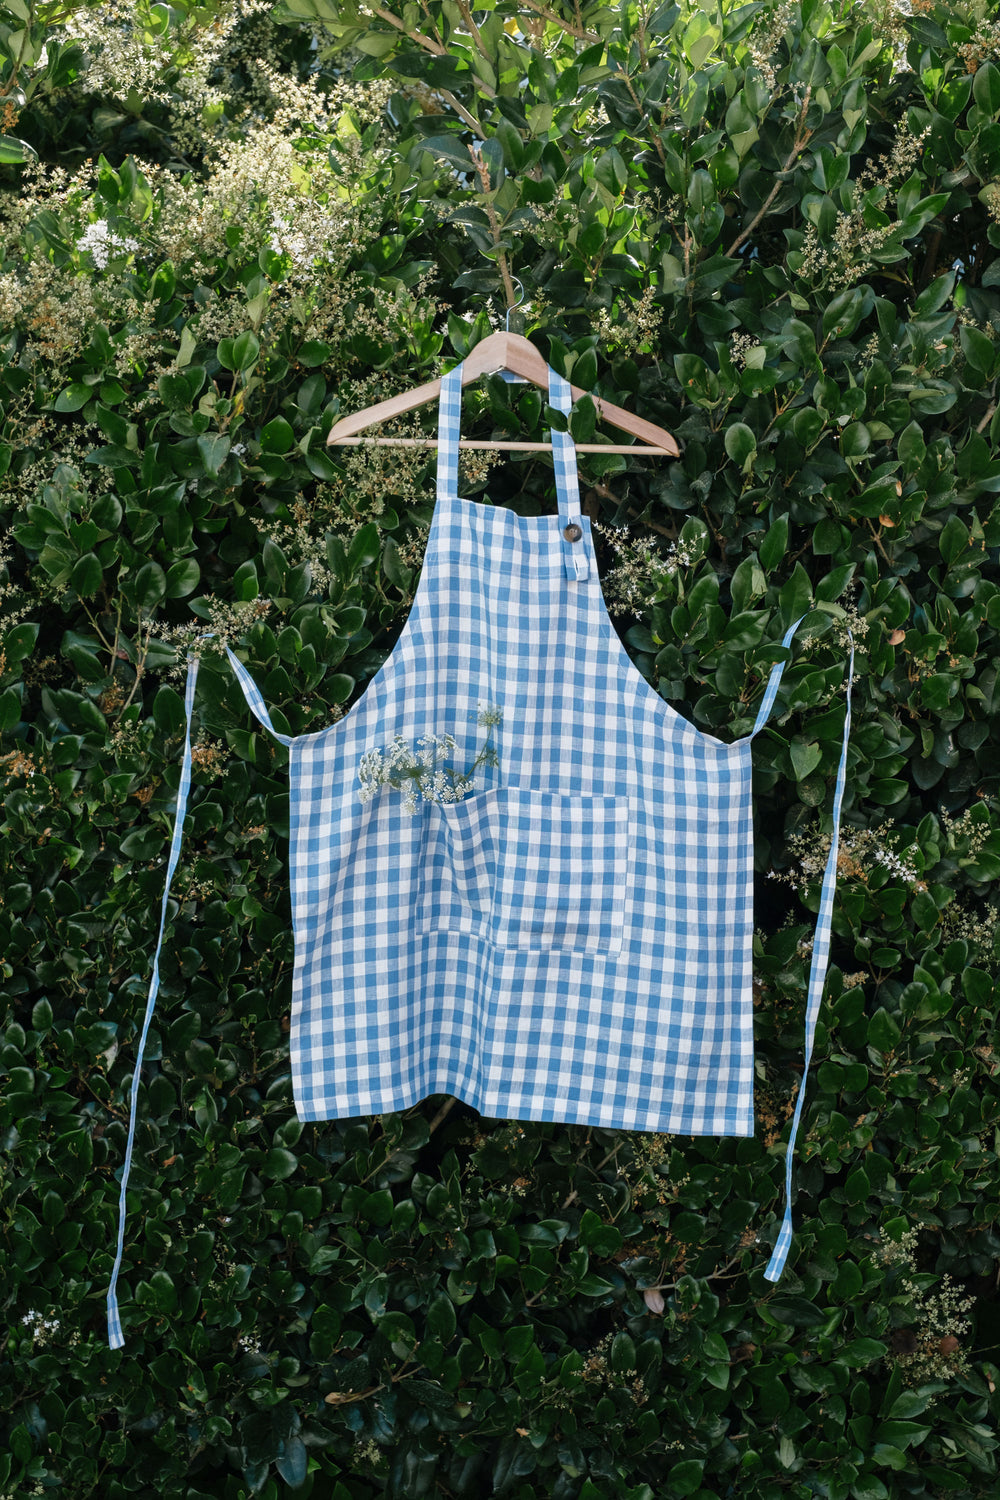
[{"x": 570, "y": 936}]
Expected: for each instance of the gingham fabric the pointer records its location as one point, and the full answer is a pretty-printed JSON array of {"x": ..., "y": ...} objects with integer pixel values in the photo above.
[{"x": 572, "y": 940}]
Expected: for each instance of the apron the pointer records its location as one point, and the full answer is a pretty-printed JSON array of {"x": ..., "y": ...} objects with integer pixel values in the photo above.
[{"x": 563, "y": 935}]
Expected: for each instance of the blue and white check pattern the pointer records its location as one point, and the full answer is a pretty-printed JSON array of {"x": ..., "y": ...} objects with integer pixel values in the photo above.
[{"x": 572, "y": 940}]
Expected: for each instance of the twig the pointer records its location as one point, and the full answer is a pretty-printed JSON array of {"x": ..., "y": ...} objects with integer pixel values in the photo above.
[
  {"x": 415, "y": 36},
  {"x": 461, "y": 110},
  {"x": 474, "y": 31},
  {"x": 669, "y": 1286},
  {"x": 982, "y": 426},
  {"x": 626, "y": 80},
  {"x": 877, "y": 539},
  {"x": 491, "y": 213},
  {"x": 442, "y": 1114},
  {"x": 550, "y": 15},
  {"x": 602, "y": 1163},
  {"x": 802, "y": 137}
]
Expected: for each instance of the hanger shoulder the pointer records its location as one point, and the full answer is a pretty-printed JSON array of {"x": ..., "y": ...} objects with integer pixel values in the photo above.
[
  {"x": 627, "y": 421},
  {"x": 383, "y": 410}
]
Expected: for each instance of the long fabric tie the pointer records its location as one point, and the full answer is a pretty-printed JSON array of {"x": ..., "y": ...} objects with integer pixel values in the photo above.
[
  {"x": 116, "y": 1337},
  {"x": 821, "y": 942}
]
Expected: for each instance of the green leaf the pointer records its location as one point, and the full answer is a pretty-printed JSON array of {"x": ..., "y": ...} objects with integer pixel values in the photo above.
[
  {"x": 245, "y": 350},
  {"x": 364, "y": 549},
  {"x": 775, "y": 544},
  {"x": 13, "y": 151},
  {"x": 292, "y": 1463},
  {"x": 986, "y": 88},
  {"x": 954, "y": 539},
  {"x": 855, "y": 440},
  {"x": 744, "y": 630},
  {"x": 87, "y": 576},
  {"x": 183, "y": 578},
  {"x": 686, "y": 1476},
  {"x": 441, "y": 1320},
  {"x": 74, "y": 396},
  {"x": 164, "y": 1292},
  {"x": 149, "y": 587},
  {"x": 806, "y": 756},
  {"x": 980, "y": 351},
  {"x": 175, "y": 390},
  {"x": 868, "y": 1487},
  {"x": 449, "y": 148},
  {"x": 214, "y": 449},
  {"x": 843, "y": 313},
  {"x": 857, "y": 1187},
  {"x": 796, "y": 594},
  {"x": 10, "y": 709},
  {"x": 277, "y": 436},
  {"x": 883, "y": 1031},
  {"x": 278, "y": 1164},
  {"x": 741, "y": 443},
  {"x": 19, "y": 642},
  {"x": 168, "y": 710},
  {"x": 314, "y": 352},
  {"x": 910, "y": 446}
]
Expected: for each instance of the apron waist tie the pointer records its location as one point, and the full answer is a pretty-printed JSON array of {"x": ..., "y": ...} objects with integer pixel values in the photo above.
[
  {"x": 116, "y": 1337},
  {"x": 821, "y": 945}
]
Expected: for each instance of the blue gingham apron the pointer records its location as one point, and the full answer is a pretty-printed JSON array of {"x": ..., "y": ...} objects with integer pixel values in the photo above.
[{"x": 570, "y": 940}]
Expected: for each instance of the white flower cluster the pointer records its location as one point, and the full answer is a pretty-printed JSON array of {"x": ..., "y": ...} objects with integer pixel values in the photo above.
[
  {"x": 42, "y": 1328},
  {"x": 305, "y": 248},
  {"x": 641, "y": 571},
  {"x": 861, "y": 849},
  {"x": 418, "y": 771},
  {"x": 929, "y": 1347},
  {"x": 101, "y": 242}
]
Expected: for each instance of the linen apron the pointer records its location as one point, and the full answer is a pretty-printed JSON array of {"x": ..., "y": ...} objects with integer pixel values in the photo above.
[{"x": 572, "y": 939}]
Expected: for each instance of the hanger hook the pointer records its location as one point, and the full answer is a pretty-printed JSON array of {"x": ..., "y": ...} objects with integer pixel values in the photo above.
[{"x": 517, "y": 304}]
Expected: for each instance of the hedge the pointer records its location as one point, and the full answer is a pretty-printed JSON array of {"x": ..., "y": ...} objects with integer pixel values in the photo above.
[{"x": 772, "y": 230}]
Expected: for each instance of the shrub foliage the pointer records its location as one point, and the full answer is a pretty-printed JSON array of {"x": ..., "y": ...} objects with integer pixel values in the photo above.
[{"x": 771, "y": 230}]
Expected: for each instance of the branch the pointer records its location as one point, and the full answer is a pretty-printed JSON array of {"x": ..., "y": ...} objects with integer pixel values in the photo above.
[
  {"x": 426, "y": 42},
  {"x": 638, "y": 104},
  {"x": 602, "y": 1163},
  {"x": 442, "y": 1114},
  {"x": 491, "y": 213},
  {"x": 439, "y": 50},
  {"x": 802, "y": 137},
  {"x": 474, "y": 31},
  {"x": 461, "y": 110},
  {"x": 567, "y": 26}
]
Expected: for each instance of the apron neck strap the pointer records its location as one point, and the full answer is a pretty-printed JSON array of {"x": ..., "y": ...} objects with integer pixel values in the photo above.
[
  {"x": 575, "y": 560},
  {"x": 773, "y": 682}
]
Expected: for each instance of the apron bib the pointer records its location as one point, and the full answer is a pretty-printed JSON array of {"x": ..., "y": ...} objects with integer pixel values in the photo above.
[{"x": 564, "y": 935}]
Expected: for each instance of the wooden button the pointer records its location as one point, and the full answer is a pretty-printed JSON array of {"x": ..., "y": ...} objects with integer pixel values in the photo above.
[{"x": 572, "y": 532}]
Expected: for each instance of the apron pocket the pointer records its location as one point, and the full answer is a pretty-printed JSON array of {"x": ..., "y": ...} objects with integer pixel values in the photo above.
[
  {"x": 562, "y": 871},
  {"x": 459, "y": 865}
]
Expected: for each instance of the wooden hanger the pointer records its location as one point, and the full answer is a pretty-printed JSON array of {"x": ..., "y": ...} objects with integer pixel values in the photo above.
[{"x": 502, "y": 351}]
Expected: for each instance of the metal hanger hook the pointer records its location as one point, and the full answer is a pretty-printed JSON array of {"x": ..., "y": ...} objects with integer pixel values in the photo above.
[{"x": 517, "y": 304}]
